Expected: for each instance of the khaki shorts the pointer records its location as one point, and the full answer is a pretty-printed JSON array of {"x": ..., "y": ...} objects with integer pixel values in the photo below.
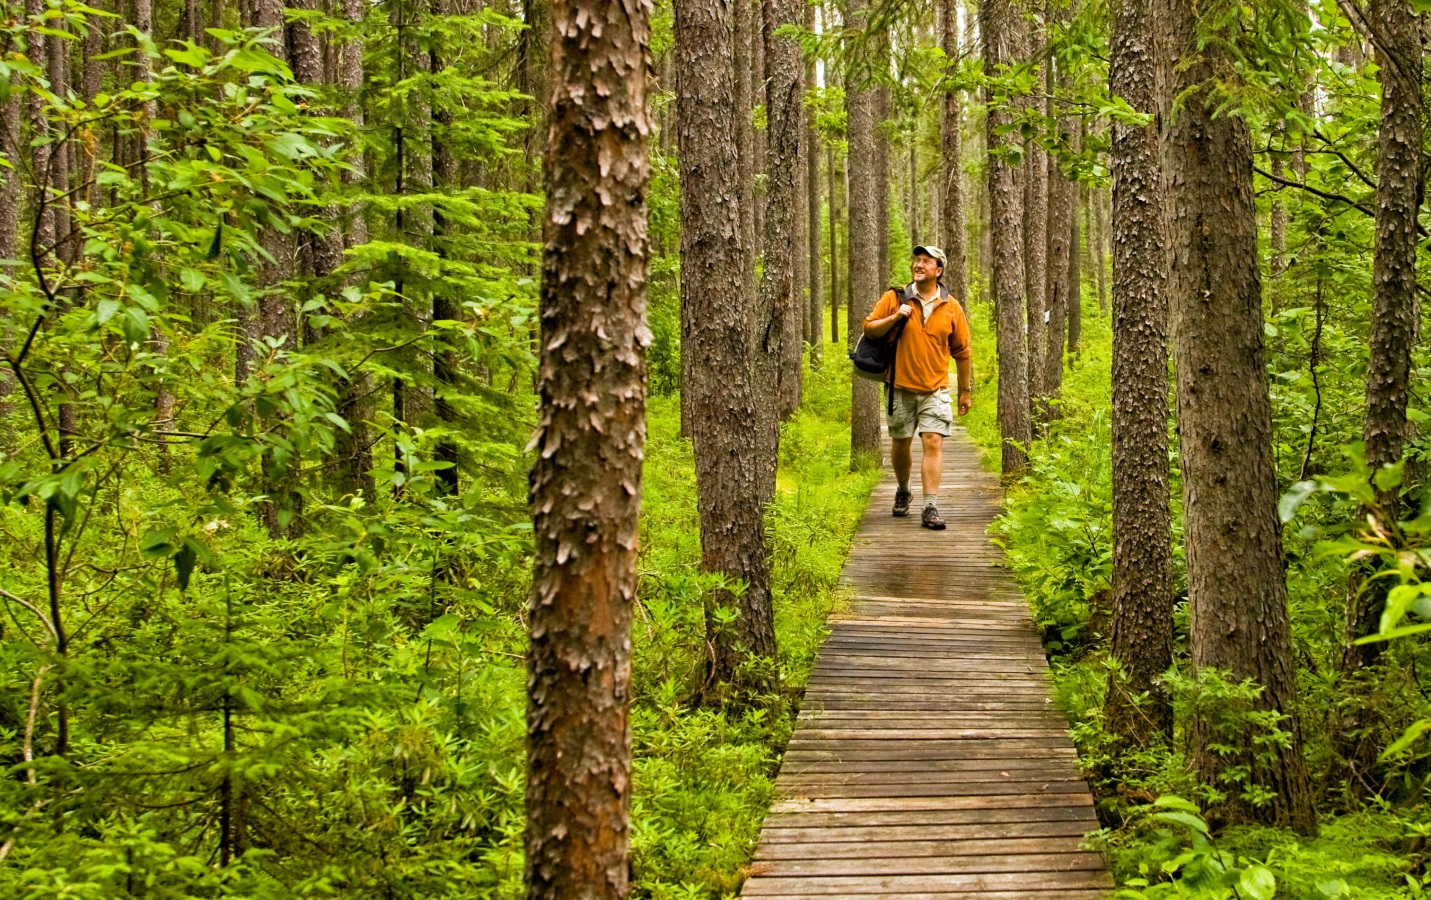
[{"x": 920, "y": 413}]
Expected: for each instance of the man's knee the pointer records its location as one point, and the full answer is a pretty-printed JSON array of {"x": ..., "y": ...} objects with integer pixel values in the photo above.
[{"x": 932, "y": 440}]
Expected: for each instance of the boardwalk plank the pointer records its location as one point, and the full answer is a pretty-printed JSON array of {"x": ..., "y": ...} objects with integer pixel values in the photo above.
[{"x": 927, "y": 760}]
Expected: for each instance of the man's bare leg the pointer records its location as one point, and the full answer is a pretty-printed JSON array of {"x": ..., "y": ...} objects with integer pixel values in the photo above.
[
  {"x": 932, "y": 468},
  {"x": 900, "y": 452}
]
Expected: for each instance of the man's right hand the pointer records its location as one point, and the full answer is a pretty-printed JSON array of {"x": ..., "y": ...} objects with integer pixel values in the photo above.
[{"x": 906, "y": 310}]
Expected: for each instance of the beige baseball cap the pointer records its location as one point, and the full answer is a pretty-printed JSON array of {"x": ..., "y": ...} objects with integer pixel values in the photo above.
[{"x": 932, "y": 252}]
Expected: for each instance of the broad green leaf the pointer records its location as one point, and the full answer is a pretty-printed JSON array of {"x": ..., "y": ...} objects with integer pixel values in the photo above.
[{"x": 1257, "y": 883}]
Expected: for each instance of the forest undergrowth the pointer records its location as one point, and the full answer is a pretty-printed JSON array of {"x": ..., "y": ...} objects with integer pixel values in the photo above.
[
  {"x": 1057, "y": 530},
  {"x": 348, "y": 706}
]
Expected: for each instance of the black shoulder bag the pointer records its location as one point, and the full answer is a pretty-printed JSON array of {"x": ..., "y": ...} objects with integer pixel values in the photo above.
[{"x": 874, "y": 358}]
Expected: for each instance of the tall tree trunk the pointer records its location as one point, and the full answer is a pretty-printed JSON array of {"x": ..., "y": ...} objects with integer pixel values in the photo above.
[
  {"x": 59, "y": 174},
  {"x": 1002, "y": 30},
  {"x": 1036, "y": 244},
  {"x": 1142, "y": 626},
  {"x": 42, "y": 229},
  {"x": 812, "y": 247},
  {"x": 882, "y": 162},
  {"x": 444, "y": 306},
  {"x": 779, "y": 314},
  {"x": 834, "y": 190},
  {"x": 1060, "y": 209},
  {"x": 729, "y": 476},
  {"x": 1098, "y": 241},
  {"x": 1394, "y": 311},
  {"x": 781, "y": 291},
  {"x": 586, "y": 482},
  {"x": 757, "y": 98},
  {"x": 1077, "y": 193},
  {"x": 1236, "y": 587},
  {"x": 531, "y": 72},
  {"x": 956, "y": 274},
  {"x": 745, "y": 82},
  {"x": 355, "y": 400},
  {"x": 862, "y": 237},
  {"x": 11, "y": 145}
]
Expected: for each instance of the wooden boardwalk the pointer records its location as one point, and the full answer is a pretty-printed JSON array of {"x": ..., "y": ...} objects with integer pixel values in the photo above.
[{"x": 928, "y": 760}]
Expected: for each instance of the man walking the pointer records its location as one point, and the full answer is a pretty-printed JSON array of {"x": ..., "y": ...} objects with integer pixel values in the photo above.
[{"x": 935, "y": 331}]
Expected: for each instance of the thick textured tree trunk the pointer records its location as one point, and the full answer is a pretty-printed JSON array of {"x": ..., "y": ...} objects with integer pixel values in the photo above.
[
  {"x": 591, "y": 433},
  {"x": 1142, "y": 622},
  {"x": 863, "y": 241},
  {"x": 757, "y": 97},
  {"x": 1393, "y": 313},
  {"x": 956, "y": 274},
  {"x": 730, "y": 465},
  {"x": 1035, "y": 171},
  {"x": 745, "y": 18},
  {"x": 1003, "y": 36},
  {"x": 1236, "y": 587},
  {"x": 779, "y": 311}
]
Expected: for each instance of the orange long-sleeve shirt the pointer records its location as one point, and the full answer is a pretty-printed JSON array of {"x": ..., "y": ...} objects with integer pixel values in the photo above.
[{"x": 921, "y": 358}]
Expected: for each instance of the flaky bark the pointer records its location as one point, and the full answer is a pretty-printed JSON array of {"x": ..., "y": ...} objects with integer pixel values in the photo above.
[
  {"x": 586, "y": 482},
  {"x": 1003, "y": 38},
  {"x": 729, "y": 464},
  {"x": 956, "y": 274},
  {"x": 1236, "y": 590},
  {"x": 1393, "y": 312},
  {"x": 863, "y": 241},
  {"x": 1138, "y": 709}
]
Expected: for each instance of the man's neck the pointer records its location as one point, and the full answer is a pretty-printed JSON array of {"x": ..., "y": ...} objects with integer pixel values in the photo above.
[{"x": 928, "y": 290}]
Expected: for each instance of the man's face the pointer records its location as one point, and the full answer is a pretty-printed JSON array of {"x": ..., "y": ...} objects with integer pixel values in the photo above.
[{"x": 926, "y": 267}]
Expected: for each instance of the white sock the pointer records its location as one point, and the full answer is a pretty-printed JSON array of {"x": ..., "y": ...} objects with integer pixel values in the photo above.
[{"x": 931, "y": 500}]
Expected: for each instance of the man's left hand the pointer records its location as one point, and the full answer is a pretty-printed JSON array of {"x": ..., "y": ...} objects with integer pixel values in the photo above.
[{"x": 966, "y": 400}]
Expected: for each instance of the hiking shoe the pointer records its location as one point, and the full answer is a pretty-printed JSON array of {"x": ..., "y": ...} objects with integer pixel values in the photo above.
[
  {"x": 931, "y": 519},
  {"x": 901, "y": 502}
]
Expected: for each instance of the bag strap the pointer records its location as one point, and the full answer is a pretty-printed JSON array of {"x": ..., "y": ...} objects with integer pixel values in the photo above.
[{"x": 906, "y": 294}]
